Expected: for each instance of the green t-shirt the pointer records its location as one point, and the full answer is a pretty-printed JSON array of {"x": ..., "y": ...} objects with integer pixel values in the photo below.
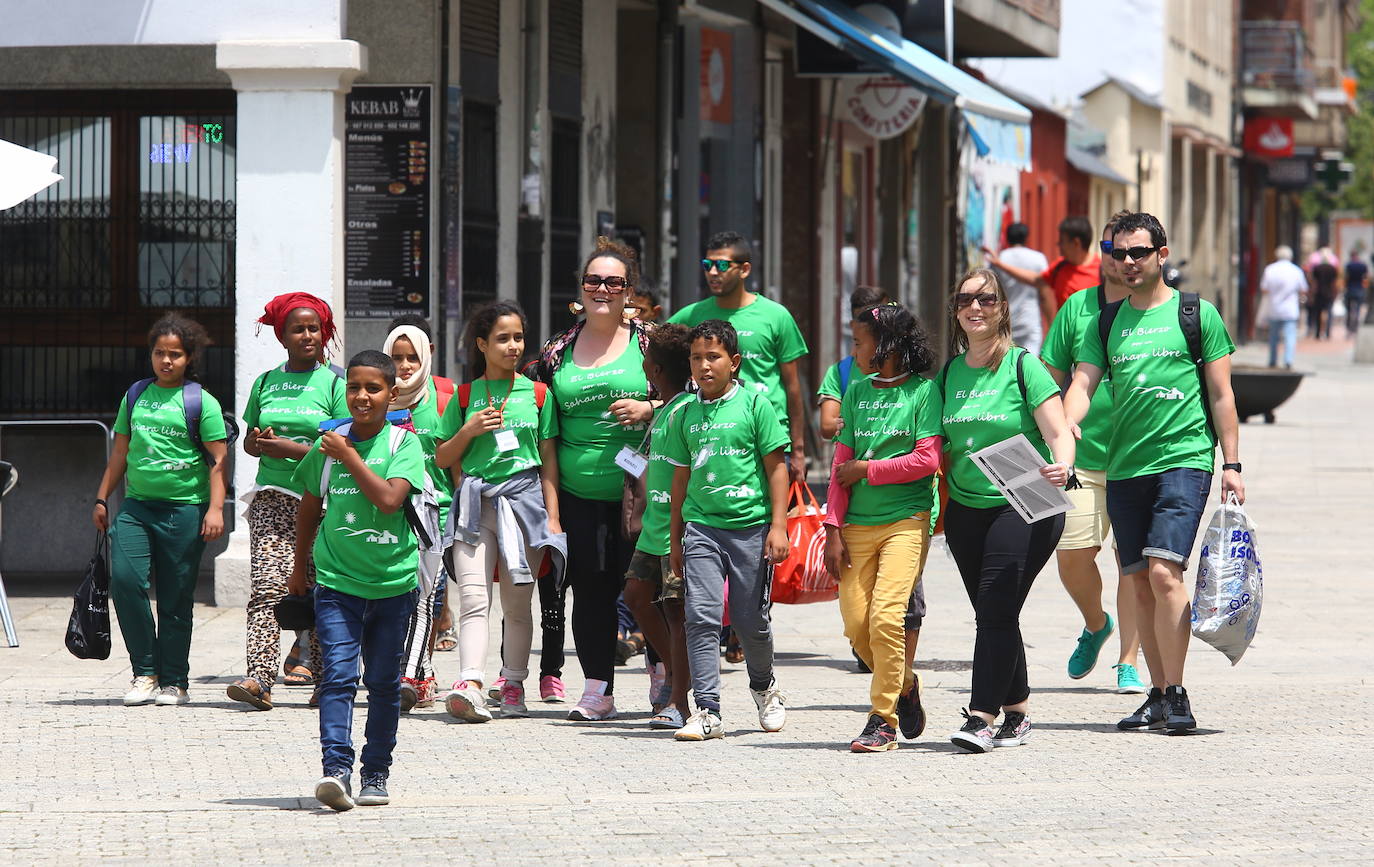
[
  {"x": 293, "y": 404},
  {"x": 768, "y": 338},
  {"x": 724, "y": 441},
  {"x": 531, "y": 423},
  {"x": 1077, "y": 317},
  {"x": 983, "y": 407},
  {"x": 832, "y": 385},
  {"x": 163, "y": 463},
  {"x": 360, "y": 550},
  {"x": 658, "y": 481},
  {"x": 424, "y": 417},
  {"x": 1159, "y": 422},
  {"x": 882, "y": 423},
  {"x": 589, "y": 436}
]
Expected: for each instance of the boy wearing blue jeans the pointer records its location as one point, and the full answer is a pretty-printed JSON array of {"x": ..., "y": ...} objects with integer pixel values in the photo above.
[
  {"x": 365, "y": 562},
  {"x": 729, "y": 523}
]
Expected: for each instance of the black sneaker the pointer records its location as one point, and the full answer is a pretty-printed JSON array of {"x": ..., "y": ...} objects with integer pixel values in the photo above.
[
  {"x": 911, "y": 716},
  {"x": 974, "y": 736},
  {"x": 876, "y": 737},
  {"x": 373, "y": 793},
  {"x": 1149, "y": 715},
  {"x": 1179, "y": 720},
  {"x": 1015, "y": 730},
  {"x": 859, "y": 665},
  {"x": 333, "y": 790}
]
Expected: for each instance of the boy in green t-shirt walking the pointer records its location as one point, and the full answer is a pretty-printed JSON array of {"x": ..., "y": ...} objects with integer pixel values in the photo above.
[
  {"x": 365, "y": 561},
  {"x": 729, "y": 523}
]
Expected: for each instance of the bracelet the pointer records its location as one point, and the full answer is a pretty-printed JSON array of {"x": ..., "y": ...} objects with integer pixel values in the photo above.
[{"x": 100, "y": 502}]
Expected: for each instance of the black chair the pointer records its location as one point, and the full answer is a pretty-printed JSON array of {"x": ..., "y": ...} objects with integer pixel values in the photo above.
[{"x": 9, "y": 477}]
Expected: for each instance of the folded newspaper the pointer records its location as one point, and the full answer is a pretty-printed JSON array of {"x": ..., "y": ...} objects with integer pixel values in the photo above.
[{"x": 1013, "y": 465}]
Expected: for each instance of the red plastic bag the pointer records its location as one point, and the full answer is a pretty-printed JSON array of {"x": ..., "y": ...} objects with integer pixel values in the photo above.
[{"x": 802, "y": 577}]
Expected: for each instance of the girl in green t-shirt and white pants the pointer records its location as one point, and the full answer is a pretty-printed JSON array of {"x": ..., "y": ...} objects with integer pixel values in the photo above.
[{"x": 173, "y": 505}]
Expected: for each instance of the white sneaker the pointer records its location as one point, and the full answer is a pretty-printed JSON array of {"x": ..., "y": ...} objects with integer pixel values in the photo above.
[
  {"x": 702, "y": 725},
  {"x": 169, "y": 696},
  {"x": 141, "y": 691},
  {"x": 772, "y": 705},
  {"x": 466, "y": 703}
]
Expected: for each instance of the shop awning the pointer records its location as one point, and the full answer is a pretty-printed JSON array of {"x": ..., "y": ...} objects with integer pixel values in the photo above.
[{"x": 1000, "y": 126}]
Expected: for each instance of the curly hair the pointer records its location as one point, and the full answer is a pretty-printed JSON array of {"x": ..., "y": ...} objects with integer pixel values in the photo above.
[
  {"x": 670, "y": 347},
  {"x": 609, "y": 248},
  {"x": 898, "y": 335},
  {"x": 193, "y": 336}
]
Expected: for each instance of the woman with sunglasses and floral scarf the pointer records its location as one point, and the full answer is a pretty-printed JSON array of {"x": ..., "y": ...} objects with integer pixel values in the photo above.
[
  {"x": 993, "y": 391},
  {"x": 595, "y": 373}
]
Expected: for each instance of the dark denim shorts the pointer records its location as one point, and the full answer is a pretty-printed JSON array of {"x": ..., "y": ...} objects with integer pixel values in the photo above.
[{"x": 1157, "y": 515}]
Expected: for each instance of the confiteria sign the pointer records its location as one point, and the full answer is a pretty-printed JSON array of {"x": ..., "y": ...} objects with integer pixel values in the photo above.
[{"x": 881, "y": 106}]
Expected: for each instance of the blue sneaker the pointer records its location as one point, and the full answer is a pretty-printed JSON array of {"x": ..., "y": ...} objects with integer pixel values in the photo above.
[
  {"x": 1128, "y": 680},
  {"x": 1084, "y": 658}
]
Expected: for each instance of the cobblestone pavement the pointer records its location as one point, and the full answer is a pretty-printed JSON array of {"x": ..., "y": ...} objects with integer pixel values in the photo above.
[{"x": 1280, "y": 771}]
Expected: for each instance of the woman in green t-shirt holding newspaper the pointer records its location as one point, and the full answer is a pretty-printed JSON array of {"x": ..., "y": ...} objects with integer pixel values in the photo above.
[
  {"x": 173, "y": 505},
  {"x": 595, "y": 373},
  {"x": 993, "y": 391}
]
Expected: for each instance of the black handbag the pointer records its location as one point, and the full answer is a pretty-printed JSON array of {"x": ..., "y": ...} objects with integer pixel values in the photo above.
[{"x": 88, "y": 629}]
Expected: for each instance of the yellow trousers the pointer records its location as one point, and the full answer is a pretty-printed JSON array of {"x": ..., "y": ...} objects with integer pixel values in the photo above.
[{"x": 885, "y": 562}]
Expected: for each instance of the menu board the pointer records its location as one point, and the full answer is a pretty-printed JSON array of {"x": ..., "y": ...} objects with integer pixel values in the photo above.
[{"x": 386, "y": 201}]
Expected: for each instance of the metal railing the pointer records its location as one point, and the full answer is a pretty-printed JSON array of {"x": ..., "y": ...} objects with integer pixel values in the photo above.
[{"x": 1274, "y": 54}]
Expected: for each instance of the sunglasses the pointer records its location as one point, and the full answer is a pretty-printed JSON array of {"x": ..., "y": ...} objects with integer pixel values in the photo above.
[
  {"x": 612, "y": 284},
  {"x": 984, "y": 299},
  {"x": 1136, "y": 253},
  {"x": 721, "y": 265}
]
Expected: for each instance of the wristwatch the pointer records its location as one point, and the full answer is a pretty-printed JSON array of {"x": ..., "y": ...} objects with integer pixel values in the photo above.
[{"x": 1235, "y": 466}]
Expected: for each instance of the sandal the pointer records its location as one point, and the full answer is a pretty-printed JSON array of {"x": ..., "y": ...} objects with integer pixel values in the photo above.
[
  {"x": 250, "y": 691},
  {"x": 299, "y": 675},
  {"x": 447, "y": 640},
  {"x": 734, "y": 653},
  {"x": 668, "y": 718}
]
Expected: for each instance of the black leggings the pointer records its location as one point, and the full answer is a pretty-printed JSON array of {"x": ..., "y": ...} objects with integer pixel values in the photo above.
[
  {"x": 598, "y": 556},
  {"x": 998, "y": 555}
]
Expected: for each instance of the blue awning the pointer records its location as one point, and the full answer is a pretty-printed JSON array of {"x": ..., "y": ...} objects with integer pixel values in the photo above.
[{"x": 999, "y": 125}]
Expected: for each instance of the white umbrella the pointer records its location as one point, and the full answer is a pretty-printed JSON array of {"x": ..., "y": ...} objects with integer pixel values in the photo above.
[{"x": 23, "y": 173}]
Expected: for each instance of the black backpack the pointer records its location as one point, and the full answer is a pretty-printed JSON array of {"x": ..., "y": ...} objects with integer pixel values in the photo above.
[
  {"x": 191, "y": 398},
  {"x": 1020, "y": 373},
  {"x": 1189, "y": 322},
  {"x": 88, "y": 627}
]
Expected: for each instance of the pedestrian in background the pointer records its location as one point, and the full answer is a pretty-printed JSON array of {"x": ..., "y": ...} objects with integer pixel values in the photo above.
[
  {"x": 173, "y": 505},
  {"x": 1030, "y": 303},
  {"x": 1323, "y": 276},
  {"x": 1284, "y": 287},
  {"x": 1076, "y": 268},
  {"x": 1356, "y": 278}
]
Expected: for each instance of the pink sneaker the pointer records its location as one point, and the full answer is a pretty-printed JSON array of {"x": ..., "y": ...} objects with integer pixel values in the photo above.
[
  {"x": 593, "y": 706},
  {"x": 551, "y": 689},
  {"x": 513, "y": 701},
  {"x": 495, "y": 692}
]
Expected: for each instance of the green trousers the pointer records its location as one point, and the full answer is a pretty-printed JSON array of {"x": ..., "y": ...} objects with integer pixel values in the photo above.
[{"x": 156, "y": 544}]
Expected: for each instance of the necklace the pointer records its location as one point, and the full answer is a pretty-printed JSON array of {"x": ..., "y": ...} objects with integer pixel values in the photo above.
[{"x": 891, "y": 378}]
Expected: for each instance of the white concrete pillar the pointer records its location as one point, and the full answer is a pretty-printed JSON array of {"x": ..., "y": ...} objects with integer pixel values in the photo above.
[{"x": 289, "y": 226}]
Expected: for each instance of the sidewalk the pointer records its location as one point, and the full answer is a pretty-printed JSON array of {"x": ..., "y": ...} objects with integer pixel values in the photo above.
[{"x": 1280, "y": 772}]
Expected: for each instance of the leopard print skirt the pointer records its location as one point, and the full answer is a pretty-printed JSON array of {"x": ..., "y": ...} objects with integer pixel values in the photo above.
[{"x": 272, "y": 551}]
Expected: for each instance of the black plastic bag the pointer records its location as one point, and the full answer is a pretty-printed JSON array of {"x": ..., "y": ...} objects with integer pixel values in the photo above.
[{"x": 88, "y": 629}]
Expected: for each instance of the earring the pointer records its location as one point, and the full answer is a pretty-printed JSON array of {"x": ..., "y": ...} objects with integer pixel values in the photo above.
[{"x": 575, "y": 308}]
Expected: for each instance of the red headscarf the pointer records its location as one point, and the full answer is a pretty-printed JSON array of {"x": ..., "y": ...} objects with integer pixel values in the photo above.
[{"x": 276, "y": 311}]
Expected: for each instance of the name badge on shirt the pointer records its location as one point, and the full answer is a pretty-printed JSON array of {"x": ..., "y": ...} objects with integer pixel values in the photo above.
[
  {"x": 506, "y": 441},
  {"x": 631, "y": 461}
]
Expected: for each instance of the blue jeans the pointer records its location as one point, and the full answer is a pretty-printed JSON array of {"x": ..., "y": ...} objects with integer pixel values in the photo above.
[
  {"x": 1157, "y": 516},
  {"x": 1289, "y": 329},
  {"x": 352, "y": 629}
]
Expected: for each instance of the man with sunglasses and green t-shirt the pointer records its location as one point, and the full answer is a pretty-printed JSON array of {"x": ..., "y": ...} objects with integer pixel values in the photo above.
[
  {"x": 769, "y": 340},
  {"x": 1168, "y": 415}
]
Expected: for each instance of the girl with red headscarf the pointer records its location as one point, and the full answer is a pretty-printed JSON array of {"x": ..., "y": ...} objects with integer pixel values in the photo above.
[{"x": 285, "y": 407}]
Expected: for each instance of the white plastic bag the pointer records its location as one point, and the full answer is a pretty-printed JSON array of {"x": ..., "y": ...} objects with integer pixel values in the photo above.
[{"x": 1230, "y": 582}]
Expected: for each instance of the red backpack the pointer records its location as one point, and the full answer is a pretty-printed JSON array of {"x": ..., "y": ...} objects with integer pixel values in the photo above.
[
  {"x": 541, "y": 391},
  {"x": 443, "y": 392}
]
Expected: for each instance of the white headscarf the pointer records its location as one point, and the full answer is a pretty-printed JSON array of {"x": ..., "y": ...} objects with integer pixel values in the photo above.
[{"x": 410, "y": 390}]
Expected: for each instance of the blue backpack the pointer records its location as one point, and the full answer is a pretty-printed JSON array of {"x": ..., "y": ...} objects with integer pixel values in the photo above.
[
  {"x": 845, "y": 366},
  {"x": 191, "y": 400}
]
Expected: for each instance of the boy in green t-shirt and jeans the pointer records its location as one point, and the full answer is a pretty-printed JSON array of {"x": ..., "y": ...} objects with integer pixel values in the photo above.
[
  {"x": 365, "y": 561},
  {"x": 729, "y": 523}
]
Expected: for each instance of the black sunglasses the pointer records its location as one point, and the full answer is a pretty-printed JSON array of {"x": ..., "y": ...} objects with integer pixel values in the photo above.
[
  {"x": 1136, "y": 253},
  {"x": 721, "y": 265},
  {"x": 614, "y": 284},
  {"x": 984, "y": 299}
]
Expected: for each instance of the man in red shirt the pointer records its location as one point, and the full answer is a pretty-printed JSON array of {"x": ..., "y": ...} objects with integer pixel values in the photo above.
[{"x": 1076, "y": 268}]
